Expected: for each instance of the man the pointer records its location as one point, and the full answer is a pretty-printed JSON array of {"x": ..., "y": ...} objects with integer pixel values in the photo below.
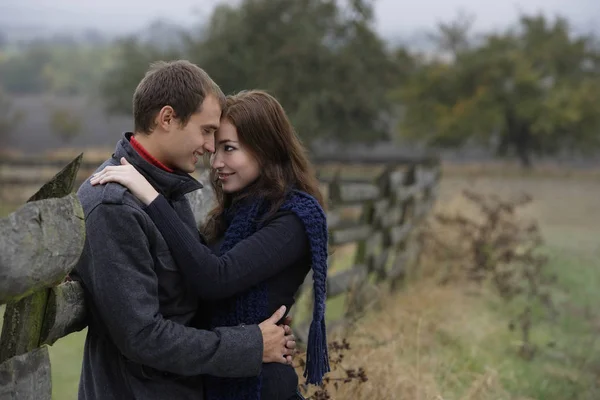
[{"x": 139, "y": 344}]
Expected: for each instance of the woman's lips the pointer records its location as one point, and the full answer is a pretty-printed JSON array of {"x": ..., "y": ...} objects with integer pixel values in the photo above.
[{"x": 224, "y": 176}]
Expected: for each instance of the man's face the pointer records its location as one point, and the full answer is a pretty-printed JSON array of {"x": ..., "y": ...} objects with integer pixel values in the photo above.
[{"x": 183, "y": 146}]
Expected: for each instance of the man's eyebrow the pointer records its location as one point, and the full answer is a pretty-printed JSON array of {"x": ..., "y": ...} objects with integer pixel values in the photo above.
[{"x": 210, "y": 126}]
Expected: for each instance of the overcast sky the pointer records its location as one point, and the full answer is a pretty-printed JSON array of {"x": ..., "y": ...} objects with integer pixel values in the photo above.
[{"x": 394, "y": 17}]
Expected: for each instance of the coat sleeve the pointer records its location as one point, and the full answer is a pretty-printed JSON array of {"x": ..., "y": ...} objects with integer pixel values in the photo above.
[
  {"x": 118, "y": 274},
  {"x": 272, "y": 249}
]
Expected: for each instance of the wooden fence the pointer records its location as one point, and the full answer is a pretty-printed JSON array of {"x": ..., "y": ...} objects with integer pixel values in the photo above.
[{"x": 375, "y": 203}]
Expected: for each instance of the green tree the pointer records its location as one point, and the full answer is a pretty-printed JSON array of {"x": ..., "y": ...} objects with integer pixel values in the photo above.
[
  {"x": 324, "y": 62},
  {"x": 57, "y": 68},
  {"x": 22, "y": 73},
  {"x": 77, "y": 69},
  {"x": 132, "y": 59},
  {"x": 455, "y": 36},
  {"x": 533, "y": 89}
]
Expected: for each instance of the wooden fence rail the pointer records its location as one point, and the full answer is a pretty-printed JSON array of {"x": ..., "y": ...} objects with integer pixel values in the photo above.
[{"x": 41, "y": 242}]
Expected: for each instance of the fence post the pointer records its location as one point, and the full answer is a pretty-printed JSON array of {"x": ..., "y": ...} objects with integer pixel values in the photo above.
[
  {"x": 400, "y": 250},
  {"x": 23, "y": 320},
  {"x": 358, "y": 292}
]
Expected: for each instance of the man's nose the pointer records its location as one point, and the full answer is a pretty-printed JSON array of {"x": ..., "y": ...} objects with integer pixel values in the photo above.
[{"x": 209, "y": 144}]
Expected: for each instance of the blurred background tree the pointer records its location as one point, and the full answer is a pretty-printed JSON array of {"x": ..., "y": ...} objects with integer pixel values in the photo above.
[
  {"x": 325, "y": 63},
  {"x": 533, "y": 89},
  {"x": 528, "y": 91},
  {"x": 57, "y": 68},
  {"x": 22, "y": 73},
  {"x": 65, "y": 124},
  {"x": 132, "y": 58}
]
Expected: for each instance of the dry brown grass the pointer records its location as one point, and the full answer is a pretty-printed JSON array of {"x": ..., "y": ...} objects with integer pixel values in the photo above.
[{"x": 404, "y": 348}]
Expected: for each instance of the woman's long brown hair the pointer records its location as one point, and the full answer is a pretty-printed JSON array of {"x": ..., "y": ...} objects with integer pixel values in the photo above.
[{"x": 264, "y": 129}]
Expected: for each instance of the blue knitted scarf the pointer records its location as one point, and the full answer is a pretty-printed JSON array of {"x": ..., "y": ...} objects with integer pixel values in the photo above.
[{"x": 251, "y": 307}]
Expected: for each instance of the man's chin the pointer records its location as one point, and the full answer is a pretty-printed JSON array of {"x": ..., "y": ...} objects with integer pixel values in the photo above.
[{"x": 188, "y": 168}]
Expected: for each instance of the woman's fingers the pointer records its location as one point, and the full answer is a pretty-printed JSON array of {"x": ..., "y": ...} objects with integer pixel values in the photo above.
[
  {"x": 112, "y": 171},
  {"x": 105, "y": 176},
  {"x": 116, "y": 168}
]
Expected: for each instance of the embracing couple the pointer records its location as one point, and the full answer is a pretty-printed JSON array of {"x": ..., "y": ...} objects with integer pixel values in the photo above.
[{"x": 174, "y": 313}]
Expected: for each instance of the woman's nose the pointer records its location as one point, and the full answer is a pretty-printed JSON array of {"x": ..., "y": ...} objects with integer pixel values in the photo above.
[{"x": 216, "y": 161}]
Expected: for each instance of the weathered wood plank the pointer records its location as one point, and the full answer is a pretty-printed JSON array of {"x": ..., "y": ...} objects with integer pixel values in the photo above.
[
  {"x": 403, "y": 261},
  {"x": 348, "y": 193},
  {"x": 378, "y": 262},
  {"x": 398, "y": 269},
  {"x": 409, "y": 211},
  {"x": 345, "y": 216},
  {"x": 397, "y": 234},
  {"x": 426, "y": 182},
  {"x": 392, "y": 217},
  {"x": 429, "y": 174},
  {"x": 373, "y": 243},
  {"x": 403, "y": 193},
  {"x": 381, "y": 207},
  {"x": 372, "y": 158},
  {"x": 65, "y": 312},
  {"x": 342, "y": 281},
  {"x": 26, "y": 377},
  {"x": 41, "y": 242},
  {"x": 398, "y": 178},
  {"x": 350, "y": 234},
  {"x": 365, "y": 297},
  {"x": 328, "y": 179},
  {"x": 334, "y": 219}
]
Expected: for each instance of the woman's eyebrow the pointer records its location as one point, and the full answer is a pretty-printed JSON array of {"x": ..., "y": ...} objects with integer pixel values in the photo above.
[{"x": 223, "y": 141}]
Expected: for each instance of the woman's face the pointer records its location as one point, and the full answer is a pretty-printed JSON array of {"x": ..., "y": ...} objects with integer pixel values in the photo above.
[{"x": 236, "y": 167}]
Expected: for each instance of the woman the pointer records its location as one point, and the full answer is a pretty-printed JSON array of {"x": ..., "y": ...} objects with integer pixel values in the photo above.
[{"x": 267, "y": 197}]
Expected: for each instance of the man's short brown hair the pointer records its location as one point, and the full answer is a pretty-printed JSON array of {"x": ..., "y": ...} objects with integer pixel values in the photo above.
[{"x": 179, "y": 84}]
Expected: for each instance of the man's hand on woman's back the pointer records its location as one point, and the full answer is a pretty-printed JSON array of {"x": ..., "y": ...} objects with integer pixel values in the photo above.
[{"x": 278, "y": 341}]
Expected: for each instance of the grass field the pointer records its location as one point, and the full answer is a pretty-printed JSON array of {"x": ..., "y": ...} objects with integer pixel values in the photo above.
[{"x": 431, "y": 342}]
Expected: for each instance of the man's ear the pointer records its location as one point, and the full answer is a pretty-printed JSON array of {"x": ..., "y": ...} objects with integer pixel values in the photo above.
[{"x": 166, "y": 118}]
